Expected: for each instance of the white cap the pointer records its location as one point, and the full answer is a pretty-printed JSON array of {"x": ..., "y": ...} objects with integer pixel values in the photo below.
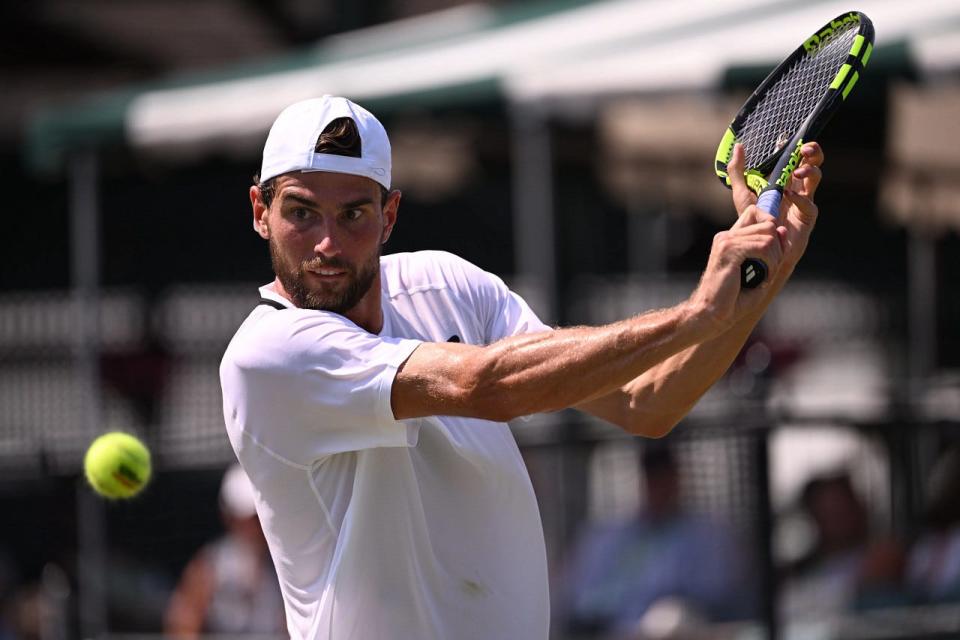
[
  {"x": 236, "y": 493},
  {"x": 293, "y": 137}
]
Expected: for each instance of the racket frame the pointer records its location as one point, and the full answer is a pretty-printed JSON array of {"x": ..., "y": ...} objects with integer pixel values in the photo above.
[
  {"x": 758, "y": 177},
  {"x": 780, "y": 164}
]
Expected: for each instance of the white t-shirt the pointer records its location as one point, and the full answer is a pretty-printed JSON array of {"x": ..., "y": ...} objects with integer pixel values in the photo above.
[{"x": 384, "y": 529}]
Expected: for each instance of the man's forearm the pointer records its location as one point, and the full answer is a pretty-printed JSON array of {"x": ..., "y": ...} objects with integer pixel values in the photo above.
[
  {"x": 657, "y": 399},
  {"x": 548, "y": 371},
  {"x": 654, "y": 402},
  {"x": 540, "y": 372}
]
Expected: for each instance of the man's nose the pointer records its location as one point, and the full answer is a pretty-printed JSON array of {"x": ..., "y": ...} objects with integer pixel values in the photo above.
[{"x": 328, "y": 245}]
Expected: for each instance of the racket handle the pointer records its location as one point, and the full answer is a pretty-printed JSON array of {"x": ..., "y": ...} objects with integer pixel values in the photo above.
[
  {"x": 753, "y": 271},
  {"x": 769, "y": 201}
]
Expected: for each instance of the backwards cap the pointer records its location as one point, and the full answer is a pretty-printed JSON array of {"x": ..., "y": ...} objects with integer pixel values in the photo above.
[{"x": 293, "y": 137}]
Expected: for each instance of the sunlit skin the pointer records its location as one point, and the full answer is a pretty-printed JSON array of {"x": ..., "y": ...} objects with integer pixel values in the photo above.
[{"x": 325, "y": 232}]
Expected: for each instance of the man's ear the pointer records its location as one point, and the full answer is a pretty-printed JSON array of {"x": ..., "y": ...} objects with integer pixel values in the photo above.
[
  {"x": 260, "y": 211},
  {"x": 390, "y": 212}
]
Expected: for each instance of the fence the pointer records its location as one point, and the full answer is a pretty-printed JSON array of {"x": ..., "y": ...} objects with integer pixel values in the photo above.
[{"x": 816, "y": 389}]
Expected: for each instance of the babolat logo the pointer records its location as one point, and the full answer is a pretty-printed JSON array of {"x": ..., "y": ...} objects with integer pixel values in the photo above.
[
  {"x": 791, "y": 165},
  {"x": 819, "y": 39}
]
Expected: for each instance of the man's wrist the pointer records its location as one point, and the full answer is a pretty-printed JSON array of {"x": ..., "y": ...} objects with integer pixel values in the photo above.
[{"x": 700, "y": 320}]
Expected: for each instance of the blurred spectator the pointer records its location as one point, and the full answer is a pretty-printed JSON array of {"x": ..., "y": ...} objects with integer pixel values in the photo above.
[
  {"x": 35, "y": 609},
  {"x": 933, "y": 569},
  {"x": 26, "y": 611},
  {"x": 663, "y": 558},
  {"x": 140, "y": 375},
  {"x": 229, "y": 586},
  {"x": 846, "y": 567}
]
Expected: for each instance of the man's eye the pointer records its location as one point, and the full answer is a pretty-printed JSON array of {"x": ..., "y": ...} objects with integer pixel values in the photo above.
[
  {"x": 301, "y": 214},
  {"x": 353, "y": 214}
]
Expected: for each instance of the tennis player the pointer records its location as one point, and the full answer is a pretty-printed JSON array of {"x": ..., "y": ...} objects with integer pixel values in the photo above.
[{"x": 367, "y": 396}]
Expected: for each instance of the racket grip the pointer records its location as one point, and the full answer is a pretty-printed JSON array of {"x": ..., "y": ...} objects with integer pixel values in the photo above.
[
  {"x": 769, "y": 201},
  {"x": 752, "y": 273}
]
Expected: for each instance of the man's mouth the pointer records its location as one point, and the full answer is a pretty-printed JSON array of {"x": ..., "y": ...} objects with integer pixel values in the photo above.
[{"x": 327, "y": 273}]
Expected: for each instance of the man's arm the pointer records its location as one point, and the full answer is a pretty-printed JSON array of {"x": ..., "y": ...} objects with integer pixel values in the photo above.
[
  {"x": 553, "y": 370},
  {"x": 659, "y": 398},
  {"x": 187, "y": 609},
  {"x": 537, "y": 372},
  {"x": 654, "y": 402}
]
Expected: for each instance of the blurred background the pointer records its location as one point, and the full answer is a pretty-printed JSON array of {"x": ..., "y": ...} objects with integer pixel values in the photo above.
[{"x": 565, "y": 145}]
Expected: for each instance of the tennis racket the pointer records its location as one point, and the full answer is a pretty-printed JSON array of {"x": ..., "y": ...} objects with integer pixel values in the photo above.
[{"x": 790, "y": 107}]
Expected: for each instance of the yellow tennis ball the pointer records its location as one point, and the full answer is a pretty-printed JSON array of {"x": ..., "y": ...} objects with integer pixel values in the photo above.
[{"x": 117, "y": 465}]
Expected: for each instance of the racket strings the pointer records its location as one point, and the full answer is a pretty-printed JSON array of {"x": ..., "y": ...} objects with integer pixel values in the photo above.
[{"x": 779, "y": 114}]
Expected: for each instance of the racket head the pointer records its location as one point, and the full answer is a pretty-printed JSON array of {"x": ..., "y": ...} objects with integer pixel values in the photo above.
[{"x": 796, "y": 100}]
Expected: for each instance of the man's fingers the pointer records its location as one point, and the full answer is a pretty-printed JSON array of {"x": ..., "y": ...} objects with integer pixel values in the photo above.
[
  {"x": 765, "y": 226},
  {"x": 757, "y": 240},
  {"x": 805, "y": 207},
  {"x": 743, "y": 197},
  {"x": 748, "y": 217},
  {"x": 806, "y": 179},
  {"x": 766, "y": 246},
  {"x": 811, "y": 153},
  {"x": 809, "y": 173},
  {"x": 751, "y": 216}
]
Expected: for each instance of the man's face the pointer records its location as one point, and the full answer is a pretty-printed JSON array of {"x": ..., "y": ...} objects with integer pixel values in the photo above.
[
  {"x": 325, "y": 232},
  {"x": 331, "y": 293}
]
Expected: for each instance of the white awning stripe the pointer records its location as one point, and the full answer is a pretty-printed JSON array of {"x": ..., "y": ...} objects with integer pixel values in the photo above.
[
  {"x": 698, "y": 60},
  {"x": 212, "y": 112},
  {"x": 614, "y": 47}
]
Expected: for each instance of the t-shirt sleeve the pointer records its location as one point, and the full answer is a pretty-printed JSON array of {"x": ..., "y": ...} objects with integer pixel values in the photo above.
[
  {"x": 510, "y": 314},
  {"x": 501, "y": 312},
  {"x": 311, "y": 384}
]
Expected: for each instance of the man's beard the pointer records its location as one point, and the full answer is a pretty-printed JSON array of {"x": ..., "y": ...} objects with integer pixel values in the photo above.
[{"x": 293, "y": 280}]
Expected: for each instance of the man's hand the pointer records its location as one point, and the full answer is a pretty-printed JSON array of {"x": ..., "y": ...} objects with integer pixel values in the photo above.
[
  {"x": 798, "y": 213},
  {"x": 656, "y": 400},
  {"x": 719, "y": 297}
]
